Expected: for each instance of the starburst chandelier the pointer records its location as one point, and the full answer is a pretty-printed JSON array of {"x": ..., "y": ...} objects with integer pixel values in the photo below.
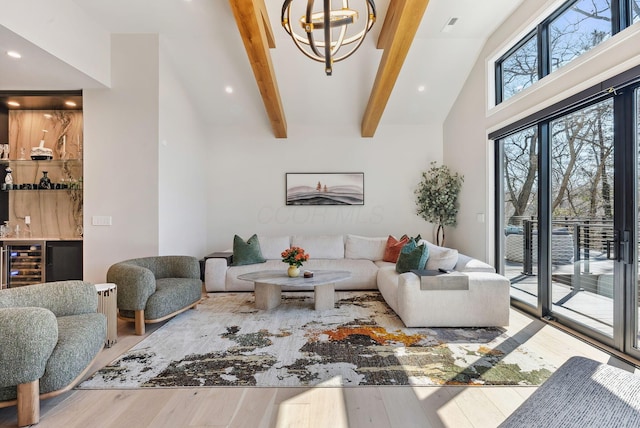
[{"x": 327, "y": 31}]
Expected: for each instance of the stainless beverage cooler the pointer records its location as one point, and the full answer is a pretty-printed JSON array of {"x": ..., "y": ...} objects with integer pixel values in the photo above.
[{"x": 23, "y": 263}]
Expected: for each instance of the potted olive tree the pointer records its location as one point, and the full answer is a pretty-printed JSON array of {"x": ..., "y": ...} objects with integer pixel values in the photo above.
[{"x": 437, "y": 198}]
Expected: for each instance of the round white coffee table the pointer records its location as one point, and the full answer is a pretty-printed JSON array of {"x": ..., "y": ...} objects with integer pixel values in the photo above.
[{"x": 269, "y": 283}]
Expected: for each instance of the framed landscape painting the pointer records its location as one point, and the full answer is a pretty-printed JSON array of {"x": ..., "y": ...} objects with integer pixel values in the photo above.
[{"x": 310, "y": 188}]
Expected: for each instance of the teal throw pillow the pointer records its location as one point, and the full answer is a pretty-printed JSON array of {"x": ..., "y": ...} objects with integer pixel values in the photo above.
[
  {"x": 412, "y": 256},
  {"x": 246, "y": 253}
]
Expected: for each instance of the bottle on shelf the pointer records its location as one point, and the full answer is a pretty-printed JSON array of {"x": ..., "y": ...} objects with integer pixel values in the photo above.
[{"x": 45, "y": 181}]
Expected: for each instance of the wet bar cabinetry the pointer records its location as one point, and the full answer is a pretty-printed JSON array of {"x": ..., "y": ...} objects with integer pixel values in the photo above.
[
  {"x": 41, "y": 203},
  {"x": 26, "y": 262}
]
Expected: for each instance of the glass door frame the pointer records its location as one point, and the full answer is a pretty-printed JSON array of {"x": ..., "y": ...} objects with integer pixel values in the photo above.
[
  {"x": 626, "y": 289},
  {"x": 625, "y": 220}
]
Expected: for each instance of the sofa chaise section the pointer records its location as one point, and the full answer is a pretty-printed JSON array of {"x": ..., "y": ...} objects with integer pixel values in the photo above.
[{"x": 484, "y": 304}]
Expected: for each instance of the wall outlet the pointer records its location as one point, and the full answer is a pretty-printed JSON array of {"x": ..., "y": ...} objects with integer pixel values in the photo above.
[
  {"x": 27, "y": 219},
  {"x": 101, "y": 220}
]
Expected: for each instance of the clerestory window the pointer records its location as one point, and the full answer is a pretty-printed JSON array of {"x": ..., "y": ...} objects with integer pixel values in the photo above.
[{"x": 570, "y": 31}]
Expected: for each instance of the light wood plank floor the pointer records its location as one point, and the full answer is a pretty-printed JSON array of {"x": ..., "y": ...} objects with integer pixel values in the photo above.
[{"x": 354, "y": 407}]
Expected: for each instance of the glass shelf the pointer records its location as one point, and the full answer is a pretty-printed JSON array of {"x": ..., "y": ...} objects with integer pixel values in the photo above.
[
  {"x": 39, "y": 190},
  {"x": 39, "y": 162}
]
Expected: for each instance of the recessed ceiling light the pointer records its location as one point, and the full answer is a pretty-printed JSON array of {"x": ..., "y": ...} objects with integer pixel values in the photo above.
[
  {"x": 47, "y": 115},
  {"x": 228, "y": 89},
  {"x": 13, "y": 103},
  {"x": 70, "y": 103},
  {"x": 14, "y": 54},
  {"x": 421, "y": 88}
]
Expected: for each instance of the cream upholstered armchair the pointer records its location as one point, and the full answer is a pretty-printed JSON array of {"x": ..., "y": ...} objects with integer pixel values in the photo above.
[{"x": 153, "y": 289}]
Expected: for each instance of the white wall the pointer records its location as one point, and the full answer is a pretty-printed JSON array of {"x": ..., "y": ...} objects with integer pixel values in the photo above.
[
  {"x": 182, "y": 169},
  {"x": 61, "y": 29},
  {"x": 121, "y": 157},
  {"x": 465, "y": 152},
  {"x": 466, "y": 145},
  {"x": 246, "y": 181}
]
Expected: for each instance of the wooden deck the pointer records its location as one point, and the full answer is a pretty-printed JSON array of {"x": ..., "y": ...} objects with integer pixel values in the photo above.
[{"x": 580, "y": 303}]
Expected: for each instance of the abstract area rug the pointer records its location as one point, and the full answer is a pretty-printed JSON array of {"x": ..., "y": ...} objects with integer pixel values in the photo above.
[{"x": 226, "y": 341}]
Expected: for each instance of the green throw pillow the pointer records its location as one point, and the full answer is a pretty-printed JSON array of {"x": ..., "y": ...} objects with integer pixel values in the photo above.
[
  {"x": 412, "y": 256},
  {"x": 246, "y": 253}
]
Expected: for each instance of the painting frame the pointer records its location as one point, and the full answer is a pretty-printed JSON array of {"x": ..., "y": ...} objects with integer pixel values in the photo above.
[{"x": 324, "y": 188}]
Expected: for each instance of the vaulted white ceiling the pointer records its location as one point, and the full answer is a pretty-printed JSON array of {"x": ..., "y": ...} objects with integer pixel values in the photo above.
[{"x": 201, "y": 40}]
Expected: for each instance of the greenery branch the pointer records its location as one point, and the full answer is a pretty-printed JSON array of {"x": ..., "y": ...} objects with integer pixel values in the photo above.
[{"x": 437, "y": 196}]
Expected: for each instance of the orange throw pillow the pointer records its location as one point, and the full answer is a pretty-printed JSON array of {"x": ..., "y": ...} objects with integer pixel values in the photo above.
[{"x": 393, "y": 248}]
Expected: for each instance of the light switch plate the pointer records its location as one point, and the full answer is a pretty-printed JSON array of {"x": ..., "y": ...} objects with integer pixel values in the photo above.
[{"x": 101, "y": 220}]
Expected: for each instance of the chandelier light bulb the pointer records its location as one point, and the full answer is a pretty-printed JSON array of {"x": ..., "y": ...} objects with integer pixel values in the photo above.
[{"x": 323, "y": 33}]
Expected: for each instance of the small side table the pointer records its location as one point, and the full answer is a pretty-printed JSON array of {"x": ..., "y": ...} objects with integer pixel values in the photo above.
[
  {"x": 107, "y": 305},
  {"x": 217, "y": 255}
]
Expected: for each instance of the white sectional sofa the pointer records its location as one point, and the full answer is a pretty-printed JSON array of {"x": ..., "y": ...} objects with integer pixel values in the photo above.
[{"x": 485, "y": 303}]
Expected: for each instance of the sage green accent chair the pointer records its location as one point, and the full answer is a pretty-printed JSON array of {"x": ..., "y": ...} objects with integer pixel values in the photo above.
[
  {"x": 153, "y": 289},
  {"x": 49, "y": 336}
]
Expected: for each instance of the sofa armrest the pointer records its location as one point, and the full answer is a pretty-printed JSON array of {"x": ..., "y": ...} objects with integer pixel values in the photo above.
[
  {"x": 62, "y": 298},
  {"x": 215, "y": 274},
  {"x": 135, "y": 285},
  {"x": 26, "y": 343},
  {"x": 469, "y": 264}
]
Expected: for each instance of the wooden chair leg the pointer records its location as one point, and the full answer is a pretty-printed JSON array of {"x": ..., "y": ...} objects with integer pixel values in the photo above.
[
  {"x": 139, "y": 321},
  {"x": 28, "y": 406}
]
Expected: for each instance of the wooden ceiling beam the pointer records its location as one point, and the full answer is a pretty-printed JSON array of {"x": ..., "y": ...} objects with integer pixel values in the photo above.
[
  {"x": 271, "y": 40},
  {"x": 385, "y": 32},
  {"x": 257, "y": 36},
  {"x": 397, "y": 34}
]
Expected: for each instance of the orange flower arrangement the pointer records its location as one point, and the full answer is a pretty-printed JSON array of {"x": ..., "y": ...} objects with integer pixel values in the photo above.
[{"x": 294, "y": 256}]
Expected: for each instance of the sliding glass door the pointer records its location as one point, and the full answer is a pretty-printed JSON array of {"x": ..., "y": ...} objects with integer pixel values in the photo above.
[
  {"x": 634, "y": 292},
  {"x": 520, "y": 182},
  {"x": 581, "y": 205},
  {"x": 568, "y": 234}
]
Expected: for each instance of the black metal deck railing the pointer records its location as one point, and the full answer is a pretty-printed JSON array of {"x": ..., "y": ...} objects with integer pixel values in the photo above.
[{"x": 591, "y": 238}]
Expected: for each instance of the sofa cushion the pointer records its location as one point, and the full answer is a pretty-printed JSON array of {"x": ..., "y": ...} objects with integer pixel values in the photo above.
[
  {"x": 80, "y": 339},
  {"x": 273, "y": 246},
  {"x": 232, "y": 283},
  {"x": 246, "y": 253},
  {"x": 362, "y": 247},
  {"x": 393, "y": 247},
  {"x": 363, "y": 272},
  {"x": 320, "y": 246},
  {"x": 440, "y": 257},
  {"x": 412, "y": 256}
]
